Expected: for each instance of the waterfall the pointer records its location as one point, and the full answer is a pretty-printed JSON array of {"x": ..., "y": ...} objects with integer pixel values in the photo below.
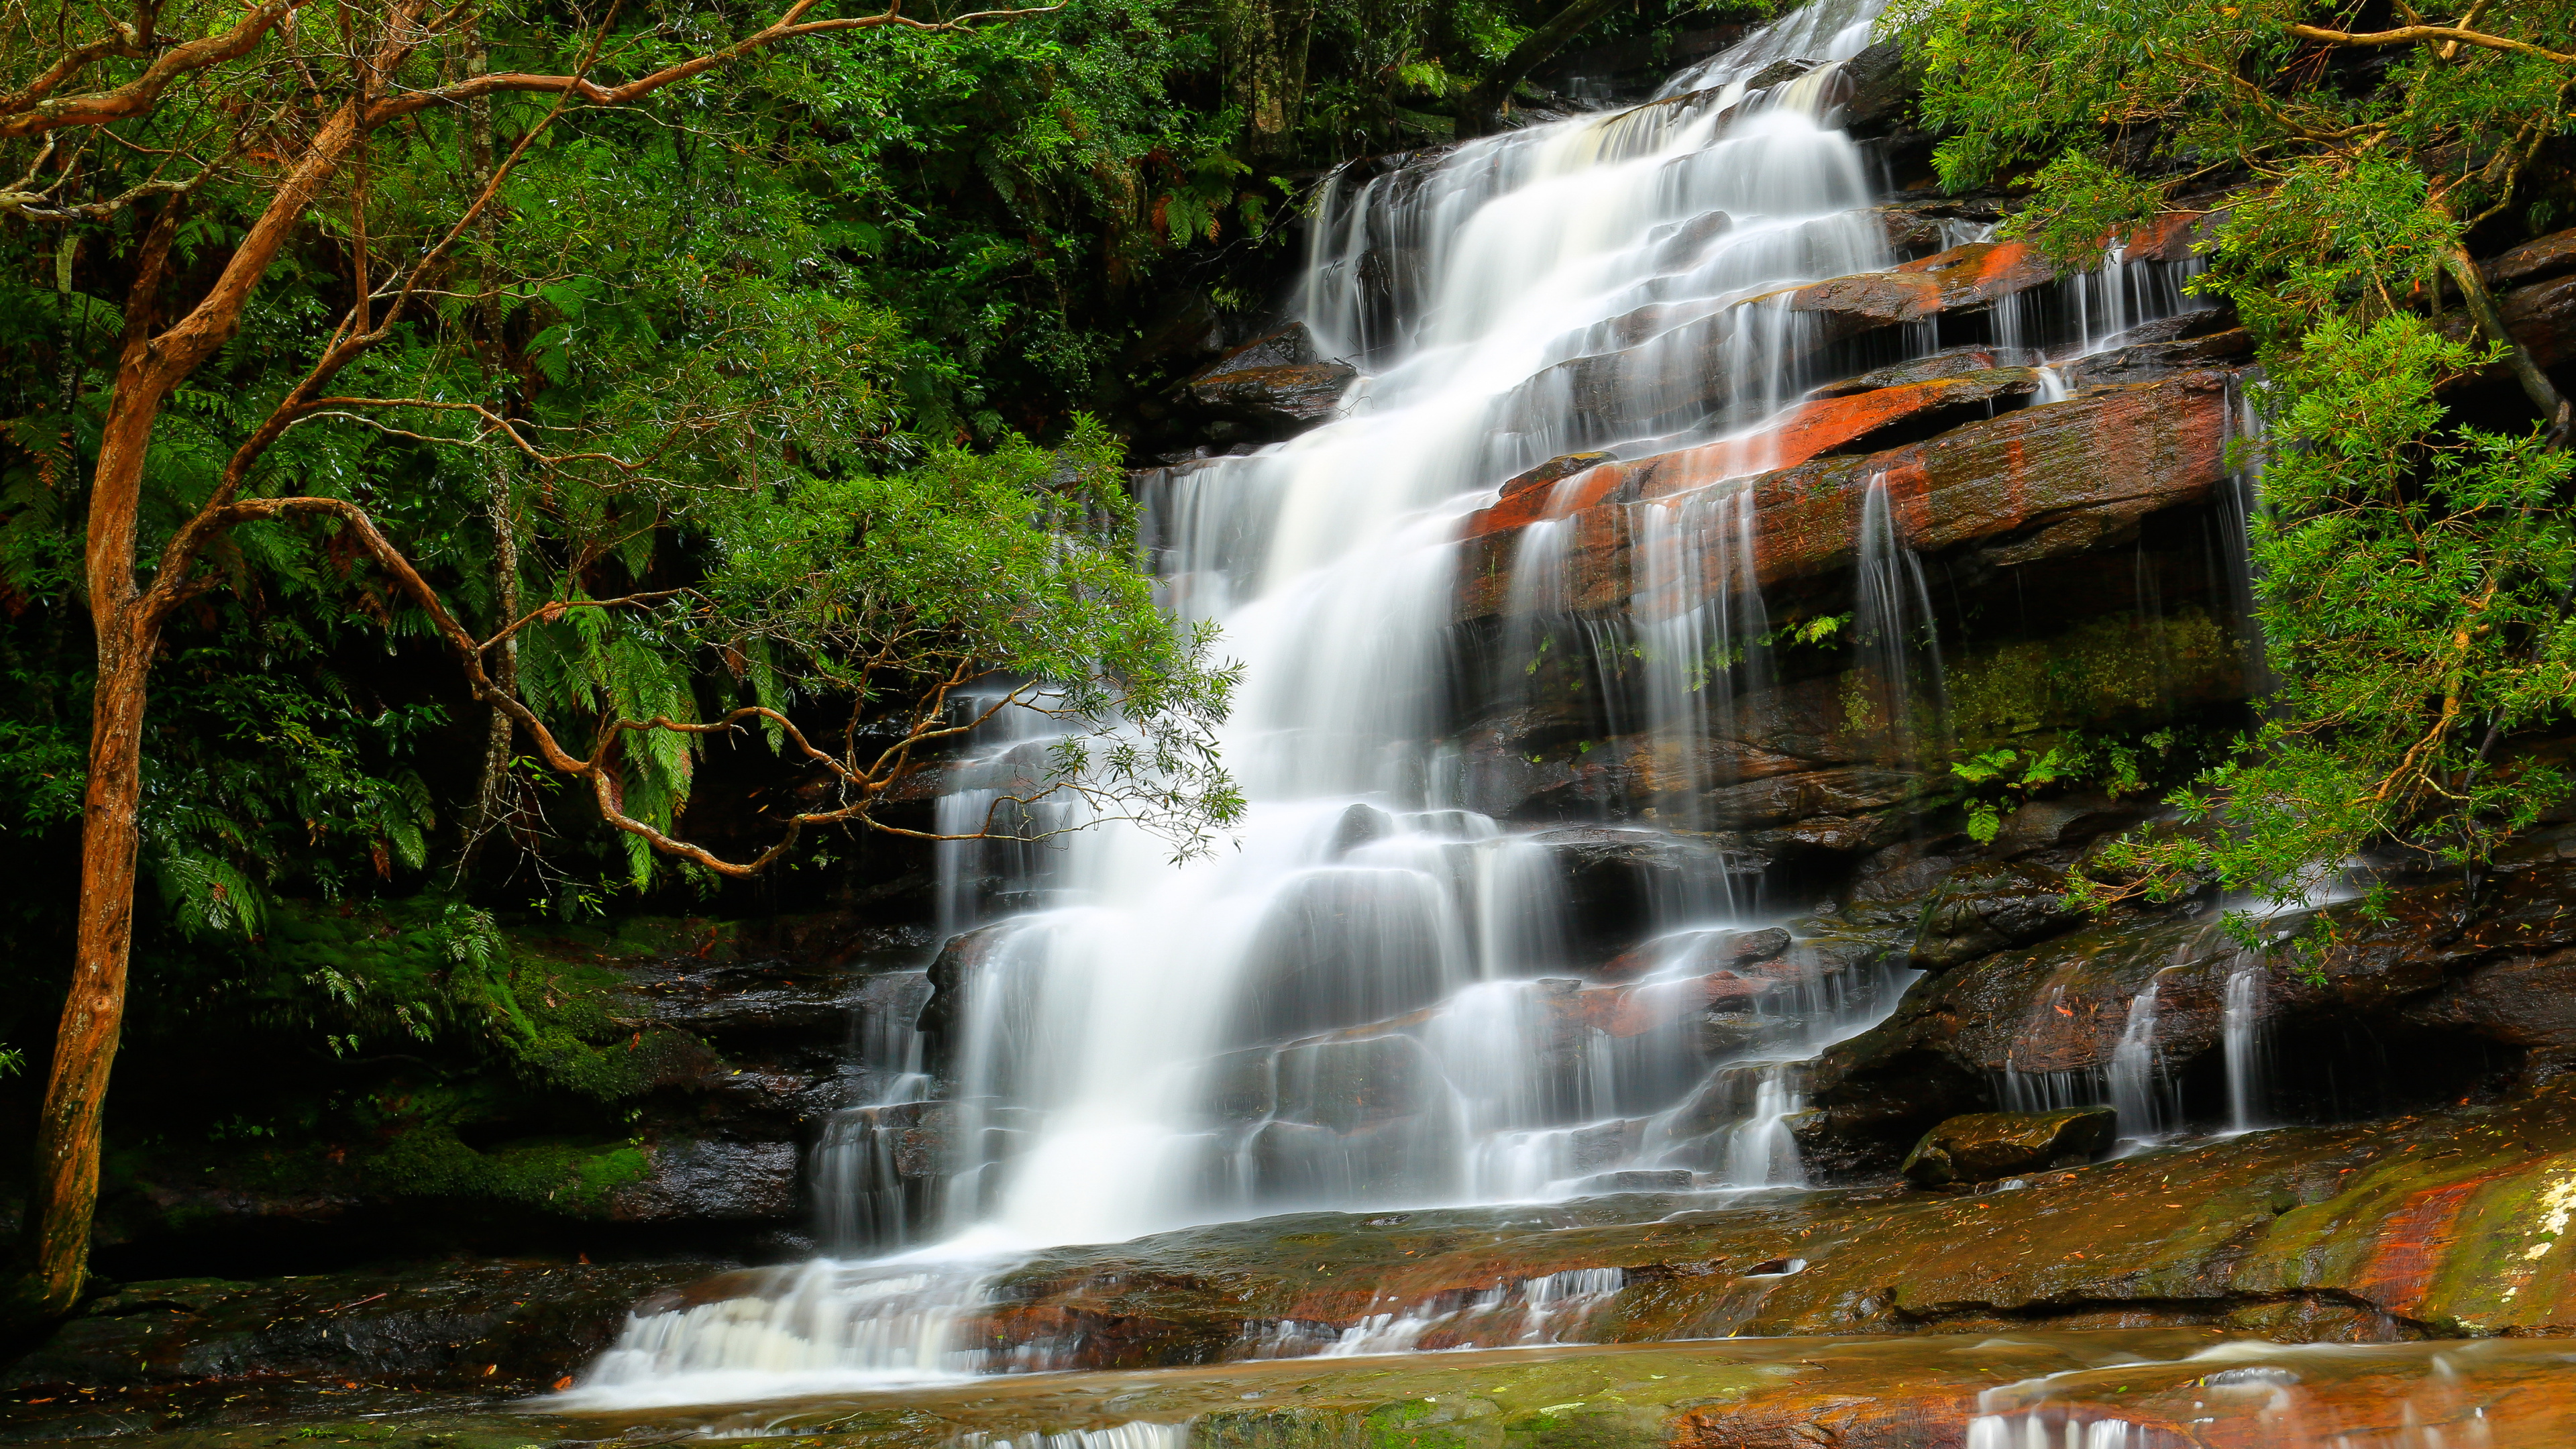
[
  {"x": 1384, "y": 994},
  {"x": 1901, "y": 697},
  {"x": 2241, "y": 1042}
]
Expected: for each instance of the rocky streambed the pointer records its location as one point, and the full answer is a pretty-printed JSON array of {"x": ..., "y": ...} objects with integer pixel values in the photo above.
[{"x": 2124, "y": 1387}]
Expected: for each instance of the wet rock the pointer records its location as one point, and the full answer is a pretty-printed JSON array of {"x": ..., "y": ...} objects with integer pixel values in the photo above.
[
  {"x": 1340, "y": 946},
  {"x": 2063, "y": 823},
  {"x": 1359, "y": 825},
  {"x": 953, "y": 971},
  {"x": 711, "y": 1181},
  {"x": 1618, "y": 878},
  {"x": 1639, "y": 1180},
  {"x": 1984, "y": 1146},
  {"x": 2412, "y": 1009},
  {"x": 1275, "y": 382},
  {"x": 1681, "y": 244},
  {"x": 505, "y": 1327},
  {"x": 1635, "y": 1010},
  {"x": 1962, "y": 279},
  {"x": 1949, "y": 362},
  {"x": 2422, "y": 1227},
  {"x": 1347, "y": 1085},
  {"x": 1836, "y": 792},
  {"x": 1552, "y": 471},
  {"x": 1877, "y": 87},
  {"x": 2158, "y": 361},
  {"x": 1732, "y": 1033},
  {"x": 735, "y": 1001},
  {"x": 2150, "y": 1386},
  {"x": 1721, "y": 950},
  {"x": 1937, "y": 223},
  {"x": 1977, "y": 911},
  {"x": 2036, "y": 483}
]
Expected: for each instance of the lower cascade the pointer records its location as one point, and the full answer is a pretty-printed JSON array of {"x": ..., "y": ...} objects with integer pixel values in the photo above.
[{"x": 1517, "y": 913}]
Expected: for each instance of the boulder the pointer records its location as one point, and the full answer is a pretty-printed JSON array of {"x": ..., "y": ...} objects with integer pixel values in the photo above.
[
  {"x": 1877, "y": 87},
  {"x": 1680, "y": 244},
  {"x": 1984, "y": 1146},
  {"x": 711, "y": 1182},
  {"x": 1723, "y": 949},
  {"x": 1275, "y": 382},
  {"x": 962, "y": 959}
]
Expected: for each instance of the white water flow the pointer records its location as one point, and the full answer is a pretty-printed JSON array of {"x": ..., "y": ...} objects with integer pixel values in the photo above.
[{"x": 1388, "y": 993}]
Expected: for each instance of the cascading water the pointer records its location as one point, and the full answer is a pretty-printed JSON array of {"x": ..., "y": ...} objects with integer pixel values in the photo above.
[{"x": 1377, "y": 999}]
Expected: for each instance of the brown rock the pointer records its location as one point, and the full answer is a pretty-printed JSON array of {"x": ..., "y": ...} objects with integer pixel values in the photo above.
[
  {"x": 1278, "y": 380},
  {"x": 1949, "y": 362},
  {"x": 1304, "y": 393},
  {"x": 2043, "y": 481},
  {"x": 2532, "y": 261},
  {"x": 1983, "y": 1146},
  {"x": 2542, "y": 317}
]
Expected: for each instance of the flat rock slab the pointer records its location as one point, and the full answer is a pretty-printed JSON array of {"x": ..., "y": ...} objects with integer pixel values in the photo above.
[
  {"x": 2151, "y": 1387},
  {"x": 2438, "y": 1226}
]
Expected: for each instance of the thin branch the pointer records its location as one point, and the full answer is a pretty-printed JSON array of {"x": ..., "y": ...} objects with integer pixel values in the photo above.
[
  {"x": 788, "y": 26},
  {"x": 29, "y": 114},
  {"x": 2428, "y": 34}
]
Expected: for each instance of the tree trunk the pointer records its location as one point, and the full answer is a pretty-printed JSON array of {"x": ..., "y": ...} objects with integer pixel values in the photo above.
[
  {"x": 494, "y": 780},
  {"x": 1265, "y": 66},
  {"x": 2482, "y": 308},
  {"x": 490, "y": 790},
  {"x": 64, "y": 1193}
]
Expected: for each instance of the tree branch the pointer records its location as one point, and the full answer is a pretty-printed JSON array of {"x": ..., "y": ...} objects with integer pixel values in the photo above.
[
  {"x": 787, "y": 27},
  {"x": 29, "y": 114},
  {"x": 2428, "y": 35}
]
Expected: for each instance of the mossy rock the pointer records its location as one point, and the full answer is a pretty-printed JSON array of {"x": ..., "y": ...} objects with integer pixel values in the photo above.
[{"x": 1983, "y": 1146}]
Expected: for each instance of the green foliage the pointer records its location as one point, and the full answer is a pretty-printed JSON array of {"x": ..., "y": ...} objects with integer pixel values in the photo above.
[
  {"x": 2415, "y": 582},
  {"x": 2329, "y": 241},
  {"x": 574, "y": 1179},
  {"x": 2002, "y": 779},
  {"x": 1991, "y": 784},
  {"x": 2076, "y": 201},
  {"x": 2413, "y": 574},
  {"x": 432, "y": 973},
  {"x": 2178, "y": 89}
]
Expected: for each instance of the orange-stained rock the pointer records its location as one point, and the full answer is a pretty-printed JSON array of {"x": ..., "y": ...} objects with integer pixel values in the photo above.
[
  {"x": 2043, "y": 481},
  {"x": 1556, "y": 489},
  {"x": 2432, "y": 1226},
  {"x": 1634, "y": 1010}
]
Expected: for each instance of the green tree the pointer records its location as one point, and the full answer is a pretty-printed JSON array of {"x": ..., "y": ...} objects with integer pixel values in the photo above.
[
  {"x": 394, "y": 339},
  {"x": 2413, "y": 574}
]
